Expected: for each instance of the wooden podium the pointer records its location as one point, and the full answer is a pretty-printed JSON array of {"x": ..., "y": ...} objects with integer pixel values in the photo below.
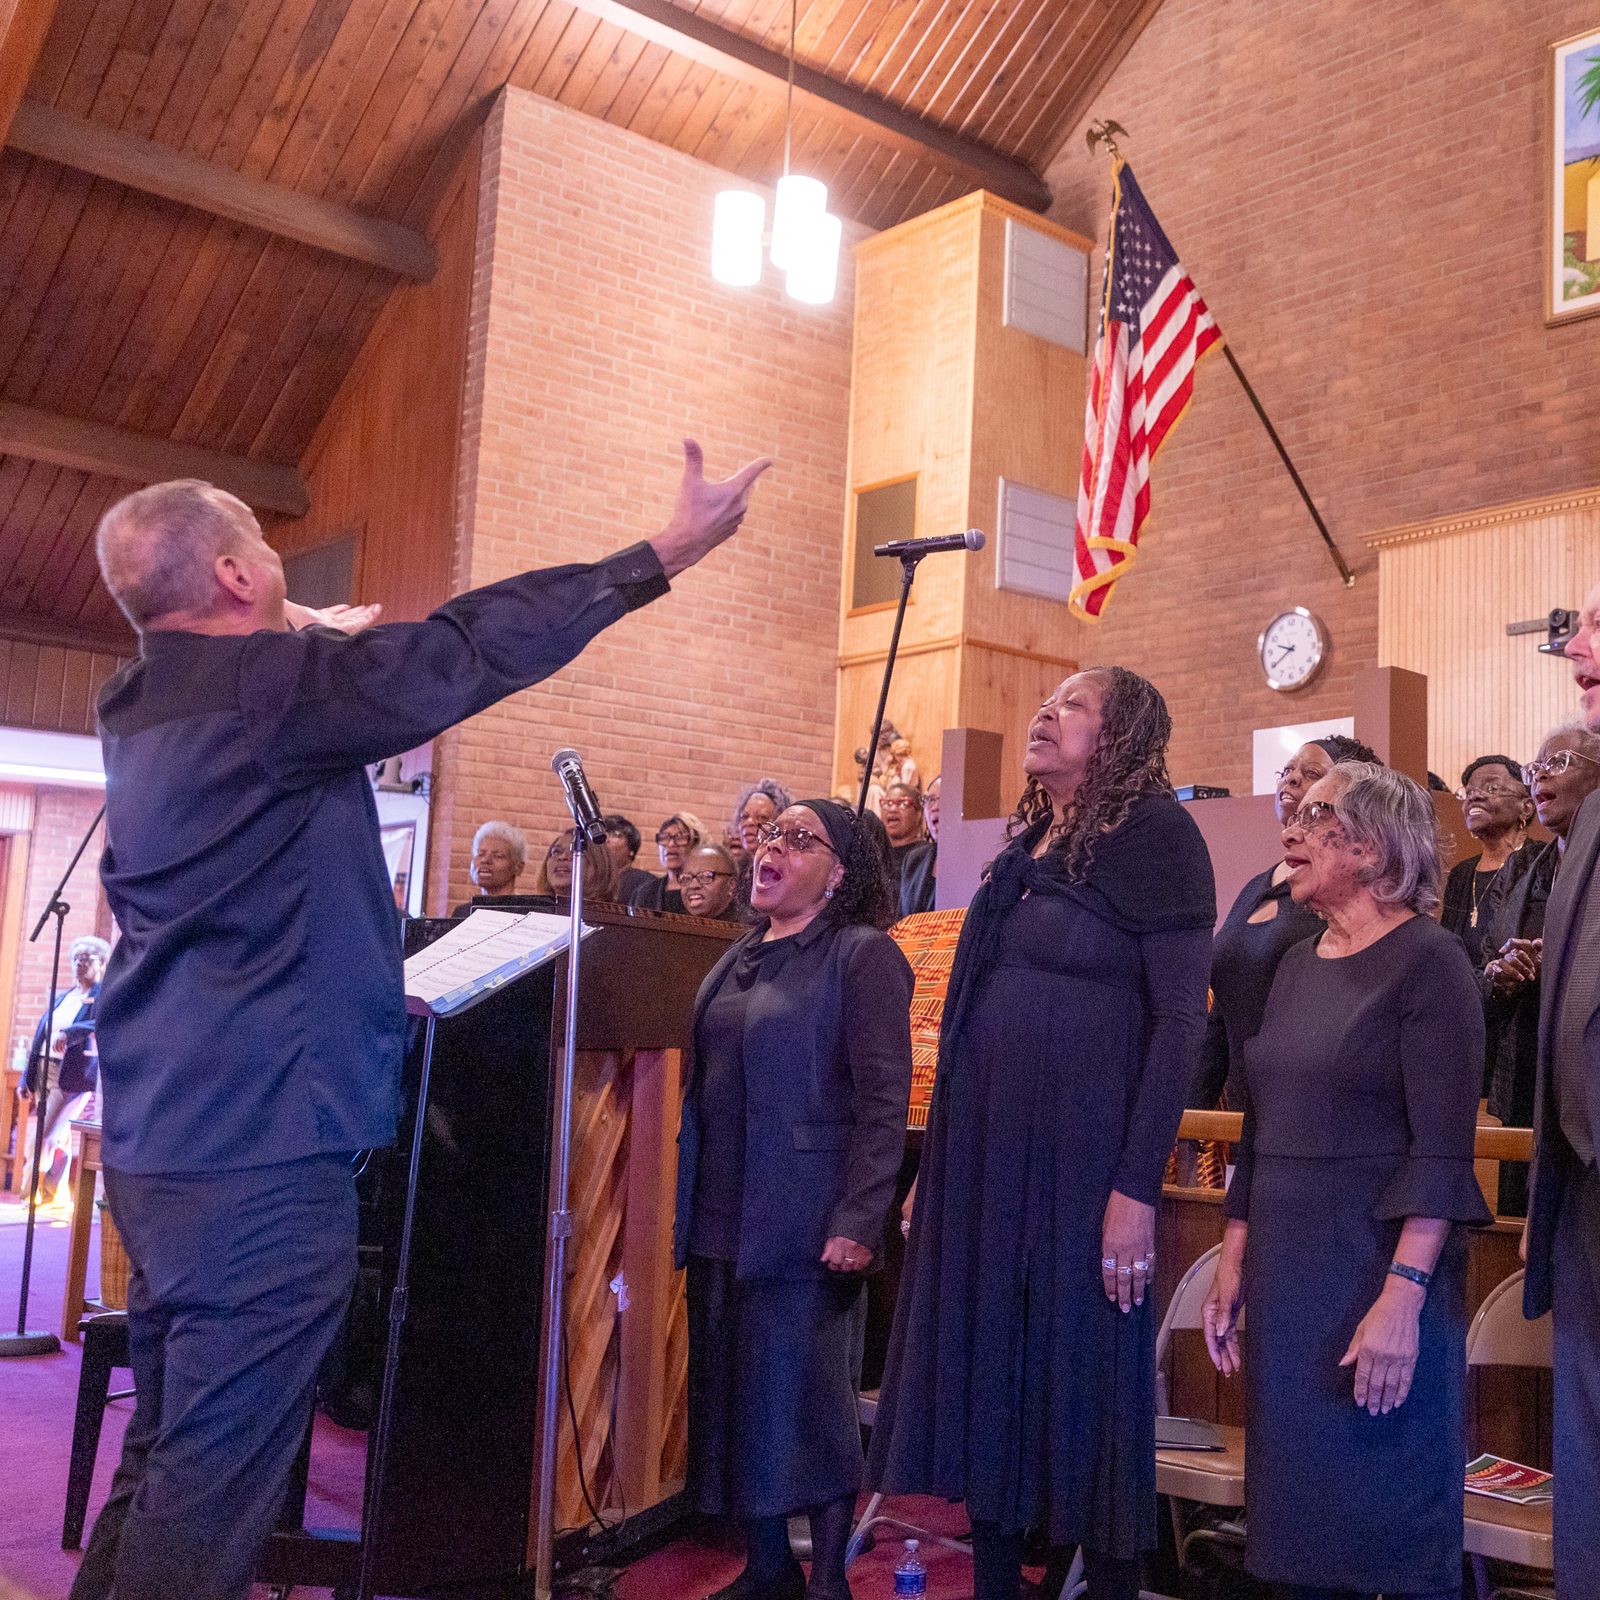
[{"x": 454, "y": 1505}]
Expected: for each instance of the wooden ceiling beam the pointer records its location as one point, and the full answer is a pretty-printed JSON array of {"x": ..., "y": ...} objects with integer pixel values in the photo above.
[
  {"x": 708, "y": 43},
  {"x": 41, "y": 130},
  {"x": 142, "y": 458},
  {"x": 25, "y": 628},
  {"x": 23, "y": 25}
]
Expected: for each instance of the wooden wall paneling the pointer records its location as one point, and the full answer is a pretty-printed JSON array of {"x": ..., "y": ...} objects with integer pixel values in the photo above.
[
  {"x": 924, "y": 690},
  {"x": 48, "y": 687},
  {"x": 1028, "y": 397},
  {"x": 1446, "y": 590},
  {"x": 1000, "y": 690}
]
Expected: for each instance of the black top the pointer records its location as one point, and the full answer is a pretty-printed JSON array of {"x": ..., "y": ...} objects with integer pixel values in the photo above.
[
  {"x": 252, "y": 1011},
  {"x": 1470, "y": 897},
  {"x": 917, "y": 878},
  {"x": 656, "y": 896},
  {"x": 1244, "y": 961},
  {"x": 510, "y": 902},
  {"x": 630, "y": 880},
  {"x": 1512, "y": 1020},
  {"x": 1372, "y": 1054},
  {"x": 825, "y": 1056},
  {"x": 719, "y": 1053},
  {"x": 898, "y": 855}
]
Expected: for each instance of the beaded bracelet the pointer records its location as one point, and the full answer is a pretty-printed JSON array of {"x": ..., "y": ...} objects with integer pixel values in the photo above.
[{"x": 1411, "y": 1274}]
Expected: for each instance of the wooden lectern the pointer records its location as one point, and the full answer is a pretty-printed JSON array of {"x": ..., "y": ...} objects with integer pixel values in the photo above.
[{"x": 453, "y": 1507}]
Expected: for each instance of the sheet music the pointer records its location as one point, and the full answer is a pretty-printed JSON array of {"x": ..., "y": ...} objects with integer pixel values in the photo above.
[{"x": 488, "y": 949}]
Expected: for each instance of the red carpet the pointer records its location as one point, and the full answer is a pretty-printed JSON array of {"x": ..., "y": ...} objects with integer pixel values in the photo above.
[{"x": 38, "y": 1396}]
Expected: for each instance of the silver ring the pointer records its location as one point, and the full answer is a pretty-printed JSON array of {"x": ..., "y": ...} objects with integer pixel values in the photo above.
[
  {"x": 1124, "y": 1272},
  {"x": 1141, "y": 1266},
  {"x": 1108, "y": 1262}
]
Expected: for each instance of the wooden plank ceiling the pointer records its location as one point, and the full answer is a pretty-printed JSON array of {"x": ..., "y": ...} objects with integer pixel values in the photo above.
[{"x": 142, "y": 315}]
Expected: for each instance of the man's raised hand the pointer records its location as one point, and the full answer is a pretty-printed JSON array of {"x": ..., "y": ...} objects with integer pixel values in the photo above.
[{"x": 706, "y": 513}]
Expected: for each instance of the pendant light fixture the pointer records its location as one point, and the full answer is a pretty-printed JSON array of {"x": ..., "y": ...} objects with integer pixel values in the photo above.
[{"x": 805, "y": 239}]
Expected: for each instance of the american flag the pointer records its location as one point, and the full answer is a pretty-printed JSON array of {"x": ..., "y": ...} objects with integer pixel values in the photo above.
[{"x": 1154, "y": 327}]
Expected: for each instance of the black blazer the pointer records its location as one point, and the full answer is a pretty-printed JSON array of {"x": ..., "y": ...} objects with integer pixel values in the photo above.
[
  {"x": 1553, "y": 1160},
  {"x": 78, "y": 1070},
  {"x": 827, "y": 1063}
]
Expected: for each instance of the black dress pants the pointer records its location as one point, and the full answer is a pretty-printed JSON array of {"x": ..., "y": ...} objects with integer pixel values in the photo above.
[{"x": 239, "y": 1282}]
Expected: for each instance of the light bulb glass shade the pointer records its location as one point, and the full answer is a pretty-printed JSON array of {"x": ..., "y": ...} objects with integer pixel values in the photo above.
[
  {"x": 737, "y": 221},
  {"x": 798, "y": 207},
  {"x": 815, "y": 274}
]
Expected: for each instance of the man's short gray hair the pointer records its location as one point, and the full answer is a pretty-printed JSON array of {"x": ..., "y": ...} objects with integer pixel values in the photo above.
[
  {"x": 158, "y": 547},
  {"x": 90, "y": 942},
  {"x": 513, "y": 838},
  {"x": 1393, "y": 816}
]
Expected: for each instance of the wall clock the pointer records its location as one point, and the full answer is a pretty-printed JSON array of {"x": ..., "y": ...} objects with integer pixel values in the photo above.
[{"x": 1292, "y": 648}]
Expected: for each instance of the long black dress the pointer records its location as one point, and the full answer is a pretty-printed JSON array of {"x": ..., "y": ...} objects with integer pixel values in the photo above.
[
  {"x": 1074, "y": 1014},
  {"x": 1244, "y": 961},
  {"x": 1362, "y": 1094}
]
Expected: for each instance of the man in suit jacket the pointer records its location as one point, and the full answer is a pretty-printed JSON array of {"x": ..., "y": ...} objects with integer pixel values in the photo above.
[{"x": 1562, "y": 1241}]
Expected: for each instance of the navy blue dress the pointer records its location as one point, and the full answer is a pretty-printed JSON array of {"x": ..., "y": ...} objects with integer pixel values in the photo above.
[
  {"x": 1361, "y": 1103},
  {"x": 1070, "y": 1035}
]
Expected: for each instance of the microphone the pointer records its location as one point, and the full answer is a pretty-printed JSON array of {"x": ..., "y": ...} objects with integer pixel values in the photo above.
[
  {"x": 585, "y": 809},
  {"x": 972, "y": 539}
]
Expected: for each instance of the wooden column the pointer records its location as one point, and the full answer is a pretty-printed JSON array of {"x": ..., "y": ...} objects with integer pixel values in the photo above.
[{"x": 1391, "y": 714}]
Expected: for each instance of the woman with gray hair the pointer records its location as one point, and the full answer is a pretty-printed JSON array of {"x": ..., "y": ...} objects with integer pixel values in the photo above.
[
  {"x": 499, "y": 854},
  {"x": 1344, "y": 1223}
]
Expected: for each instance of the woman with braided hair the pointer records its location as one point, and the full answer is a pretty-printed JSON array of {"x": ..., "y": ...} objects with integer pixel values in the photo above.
[{"x": 1021, "y": 1369}]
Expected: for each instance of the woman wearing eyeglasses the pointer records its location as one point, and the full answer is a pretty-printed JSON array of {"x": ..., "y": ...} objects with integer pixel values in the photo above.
[
  {"x": 1344, "y": 1236},
  {"x": 1565, "y": 774},
  {"x": 1497, "y": 810},
  {"x": 901, "y": 813},
  {"x": 1021, "y": 1369},
  {"x": 792, "y": 1133},
  {"x": 709, "y": 883},
  {"x": 675, "y": 838},
  {"x": 1261, "y": 925}
]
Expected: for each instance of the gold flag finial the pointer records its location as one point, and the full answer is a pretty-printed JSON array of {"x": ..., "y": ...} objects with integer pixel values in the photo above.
[{"x": 1105, "y": 132}]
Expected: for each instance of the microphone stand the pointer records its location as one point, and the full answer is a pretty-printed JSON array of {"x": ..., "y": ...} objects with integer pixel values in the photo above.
[
  {"x": 23, "y": 1343},
  {"x": 908, "y": 573},
  {"x": 555, "y": 1283}
]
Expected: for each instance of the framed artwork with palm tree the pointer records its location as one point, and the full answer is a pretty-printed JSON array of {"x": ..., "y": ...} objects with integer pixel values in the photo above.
[{"x": 1572, "y": 270}]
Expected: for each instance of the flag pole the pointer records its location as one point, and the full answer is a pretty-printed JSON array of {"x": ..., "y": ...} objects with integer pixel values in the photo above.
[
  {"x": 1283, "y": 455},
  {"x": 1105, "y": 132}
]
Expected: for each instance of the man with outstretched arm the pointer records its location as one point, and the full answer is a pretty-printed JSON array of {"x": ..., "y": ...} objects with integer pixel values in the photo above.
[{"x": 251, "y": 1018}]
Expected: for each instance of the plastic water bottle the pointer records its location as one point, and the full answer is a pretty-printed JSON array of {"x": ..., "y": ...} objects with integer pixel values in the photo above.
[{"x": 911, "y": 1577}]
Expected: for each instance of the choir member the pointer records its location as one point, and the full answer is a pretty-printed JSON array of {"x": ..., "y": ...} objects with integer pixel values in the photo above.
[
  {"x": 555, "y": 872},
  {"x": 1262, "y": 923},
  {"x": 709, "y": 882},
  {"x": 675, "y": 838},
  {"x": 622, "y": 844},
  {"x": 791, "y": 1139},
  {"x": 69, "y": 1073},
  {"x": 1497, "y": 810},
  {"x": 1562, "y": 1239},
  {"x": 1565, "y": 774},
  {"x": 499, "y": 855},
  {"x": 1353, "y": 1175},
  {"x": 1021, "y": 1369},
  {"x": 920, "y": 869}
]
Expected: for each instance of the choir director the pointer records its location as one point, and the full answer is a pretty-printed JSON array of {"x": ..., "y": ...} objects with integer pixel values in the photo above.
[{"x": 251, "y": 1017}]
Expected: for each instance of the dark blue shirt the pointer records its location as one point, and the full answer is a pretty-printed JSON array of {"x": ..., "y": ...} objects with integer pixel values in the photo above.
[{"x": 252, "y": 1011}]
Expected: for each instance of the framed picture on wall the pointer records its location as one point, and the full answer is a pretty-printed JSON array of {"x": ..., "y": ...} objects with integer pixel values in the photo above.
[{"x": 1572, "y": 266}]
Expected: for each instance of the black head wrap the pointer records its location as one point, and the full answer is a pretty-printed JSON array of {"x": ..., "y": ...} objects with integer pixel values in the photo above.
[{"x": 838, "y": 822}]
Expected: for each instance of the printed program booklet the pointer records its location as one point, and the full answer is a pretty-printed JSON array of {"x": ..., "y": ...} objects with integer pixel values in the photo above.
[{"x": 1507, "y": 1480}]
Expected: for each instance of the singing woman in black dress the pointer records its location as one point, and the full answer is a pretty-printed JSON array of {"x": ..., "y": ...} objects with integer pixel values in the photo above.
[
  {"x": 1021, "y": 1369},
  {"x": 794, "y": 1124},
  {"x": 1354, "y": 1171}
]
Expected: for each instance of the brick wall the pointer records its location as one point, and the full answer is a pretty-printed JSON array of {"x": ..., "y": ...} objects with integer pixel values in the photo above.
[
  {"x": 1357, "y": 190},
  {"x": 60, "y": 817},
  {"x": 597, "y": 340}
]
